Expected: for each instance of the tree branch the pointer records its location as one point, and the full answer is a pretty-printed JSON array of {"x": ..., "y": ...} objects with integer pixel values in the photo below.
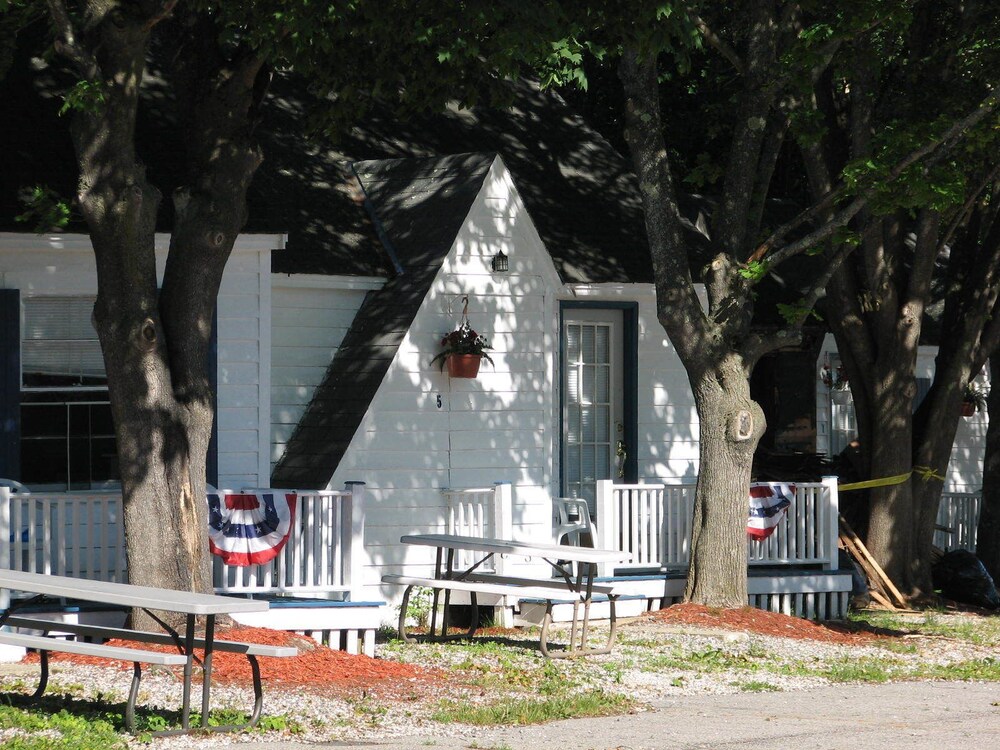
[
  {"x": 946, "y": 141},
  {"x": 968, "y": 206},
  {"x": 717, "y": 42},
  {"x": 161, "y": 15},
  {"x": 66, "y": 43}
]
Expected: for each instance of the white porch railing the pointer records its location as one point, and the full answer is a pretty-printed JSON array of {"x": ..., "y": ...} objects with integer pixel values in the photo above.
[
  {"x": 653, "y": 523},
  {"x": 958, "y": 515},
  {"x": 83, "y": 536},
  {"x": 323, "y": 553},
  {"x": 483, "y": 512}
]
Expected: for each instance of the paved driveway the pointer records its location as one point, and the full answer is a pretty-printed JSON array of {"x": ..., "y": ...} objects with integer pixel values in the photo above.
[{"x": 905, "y": 716}]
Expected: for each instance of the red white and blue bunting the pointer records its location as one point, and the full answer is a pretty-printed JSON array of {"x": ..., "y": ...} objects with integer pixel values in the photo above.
[
  {"x": 769, "y": 502},
  {"x": 249, "y": 528}
]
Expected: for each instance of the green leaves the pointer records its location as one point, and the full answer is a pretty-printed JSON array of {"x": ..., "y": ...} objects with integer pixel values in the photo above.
[
  {"x": 84, "y": 96},
  {"x": 753, "y": 270},
  {"x": 44, "y": 208},
  {"x": 796, "y": 312}
]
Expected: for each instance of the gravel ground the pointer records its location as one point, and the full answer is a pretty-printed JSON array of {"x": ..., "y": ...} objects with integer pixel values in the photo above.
[{"x": 652, "y": 661}]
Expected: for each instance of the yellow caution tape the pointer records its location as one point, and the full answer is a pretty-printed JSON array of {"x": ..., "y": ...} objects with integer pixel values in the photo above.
[
  {"x": 881, "y": 482},
  {"x": 926, "y": 473}
]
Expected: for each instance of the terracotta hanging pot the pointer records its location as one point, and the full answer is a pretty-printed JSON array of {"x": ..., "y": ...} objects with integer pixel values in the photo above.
[
  {"x": 464, "y": 365},
  {"x": 968, "y": 408}
]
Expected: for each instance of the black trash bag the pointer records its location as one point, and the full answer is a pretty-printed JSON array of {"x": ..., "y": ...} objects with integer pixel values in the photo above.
[{"x": 959, "y": 575}]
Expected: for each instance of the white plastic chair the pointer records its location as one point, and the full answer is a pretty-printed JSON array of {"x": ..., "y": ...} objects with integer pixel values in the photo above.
[
  {"x": 16, "y": 488},
  {"x": 572, "y": 521}
]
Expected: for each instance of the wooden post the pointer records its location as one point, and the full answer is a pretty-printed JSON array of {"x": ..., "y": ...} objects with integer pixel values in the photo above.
[
  {"x": 503, "y": 517},
  {"x": 831, "y": 522},
  {"x": 5, "y": 538},
  {"x": 607, "y": 520},
  {"x": 355, "y": 545}
]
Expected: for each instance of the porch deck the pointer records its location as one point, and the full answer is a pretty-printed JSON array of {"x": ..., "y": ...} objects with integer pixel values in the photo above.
[
  {"x": 794, "y": 571},
  {"x": 312, "y": 585}
]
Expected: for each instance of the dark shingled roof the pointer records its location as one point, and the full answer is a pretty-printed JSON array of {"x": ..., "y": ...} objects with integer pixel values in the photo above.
[
  {"x": 576, "y": 187},
  {"x": 419, "y": 206}
]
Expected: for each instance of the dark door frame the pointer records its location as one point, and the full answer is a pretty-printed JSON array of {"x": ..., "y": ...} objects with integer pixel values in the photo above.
[{"x": 630, "y": 379}]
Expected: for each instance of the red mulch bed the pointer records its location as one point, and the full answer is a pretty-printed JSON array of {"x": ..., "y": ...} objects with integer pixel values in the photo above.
[
  {"x": 749, "y": 619},
  {"x": 316, "y": 666},
  {"x": 322, "y": 669}
]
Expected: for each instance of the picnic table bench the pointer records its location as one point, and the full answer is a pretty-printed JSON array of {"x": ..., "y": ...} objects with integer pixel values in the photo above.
[
  {"x": 147, "y": 598},
  {"x": 574, "y": 566}
]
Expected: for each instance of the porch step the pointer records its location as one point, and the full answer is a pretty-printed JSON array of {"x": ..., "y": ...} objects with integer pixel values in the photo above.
[{"x": 341, "y": 625}]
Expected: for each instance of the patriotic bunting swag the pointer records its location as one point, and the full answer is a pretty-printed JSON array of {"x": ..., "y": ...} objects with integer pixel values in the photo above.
[
  {"x": 249, "y": 528},
  {"x": 769, "y": 502}
]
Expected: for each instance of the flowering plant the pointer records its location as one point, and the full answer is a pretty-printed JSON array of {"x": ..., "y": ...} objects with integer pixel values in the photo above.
[
  {"x": 835, "y": 380},
  {"x": 463, "y": 340},
  {"x": 976, "y": 394}
]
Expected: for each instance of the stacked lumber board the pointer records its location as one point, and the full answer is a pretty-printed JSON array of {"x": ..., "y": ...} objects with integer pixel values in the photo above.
[{"x": 882, "y": 590}]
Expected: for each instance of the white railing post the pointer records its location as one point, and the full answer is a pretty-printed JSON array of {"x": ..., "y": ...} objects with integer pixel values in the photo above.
[
  {"x": 5, "y": 537},
  {"x": 607, "y": 521},
  {"x": 832, "y": 531},
  {"x": 503, "y": 517},
  {"x": 354, "y": 546}
]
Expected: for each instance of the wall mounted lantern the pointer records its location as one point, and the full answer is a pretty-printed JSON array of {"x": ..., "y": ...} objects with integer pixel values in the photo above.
[{"x": 500, "y": 263}]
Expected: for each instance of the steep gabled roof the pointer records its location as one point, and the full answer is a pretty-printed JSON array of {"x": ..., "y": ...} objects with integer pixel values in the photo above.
[{"x": 418, "y": 207}]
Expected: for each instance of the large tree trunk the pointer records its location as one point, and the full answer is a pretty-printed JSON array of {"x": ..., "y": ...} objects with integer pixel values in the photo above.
[
  {"x": 730, "y": 426},
  {"x": 730, "y": 422},
  {"x": 155, "y": 342},
  {"x": 988, "y": 531}
]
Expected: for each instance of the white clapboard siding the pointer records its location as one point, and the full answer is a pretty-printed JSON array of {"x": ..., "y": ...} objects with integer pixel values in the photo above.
[
  {"x": 466, "y": 433},
  {"x": 308, "y": 323},
  {"x": 243, "y": 347}
]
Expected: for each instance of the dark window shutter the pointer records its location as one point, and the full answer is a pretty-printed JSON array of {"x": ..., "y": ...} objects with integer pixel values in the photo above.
[{"x": 10, "y": 384}]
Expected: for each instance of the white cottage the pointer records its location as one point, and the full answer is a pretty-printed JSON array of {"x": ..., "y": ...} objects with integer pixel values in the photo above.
[
  {"x": 355, "y": 263},
  {"x": 584, "y": 386}
]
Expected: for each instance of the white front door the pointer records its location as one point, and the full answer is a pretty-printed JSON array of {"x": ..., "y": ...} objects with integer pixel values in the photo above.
[{"x": 592, "y": 417}]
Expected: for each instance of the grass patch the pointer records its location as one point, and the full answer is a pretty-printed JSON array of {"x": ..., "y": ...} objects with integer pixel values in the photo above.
[
  {"x": 521, "y": 711},
  {"x": 63, "y": 722},
  {"x": 708, "y": 660},
  {"x": 62, "y": 730},
  {"x": 756, "y": 686},
  {"x": 985, "y": 670},
  {"x": 978, "y": 630},
  {"x": 858, "y": 670}
]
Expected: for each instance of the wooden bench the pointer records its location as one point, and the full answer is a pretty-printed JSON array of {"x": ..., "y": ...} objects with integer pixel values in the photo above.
[
  {"x": 44, "y": 644},
  {"x": 48, "y": 642},
  {"x": 551, "y": 592},
  {"x": 190, "y": 604}
]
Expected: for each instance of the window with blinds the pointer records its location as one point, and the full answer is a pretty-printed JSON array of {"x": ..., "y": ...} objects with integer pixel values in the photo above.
[
  {"x": 67, "y": 433},
  {"x": 59, "y": 345}
]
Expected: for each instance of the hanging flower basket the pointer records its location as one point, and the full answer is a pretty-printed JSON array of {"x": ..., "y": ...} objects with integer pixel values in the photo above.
[
  {"x": 463, "y": 349},
  {"x": 464, "y": 365},
  {"x": 968, "y": 408}
]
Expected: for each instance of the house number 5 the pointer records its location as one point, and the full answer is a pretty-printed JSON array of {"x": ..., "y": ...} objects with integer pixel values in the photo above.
[{"x": 439, "y": 400}]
